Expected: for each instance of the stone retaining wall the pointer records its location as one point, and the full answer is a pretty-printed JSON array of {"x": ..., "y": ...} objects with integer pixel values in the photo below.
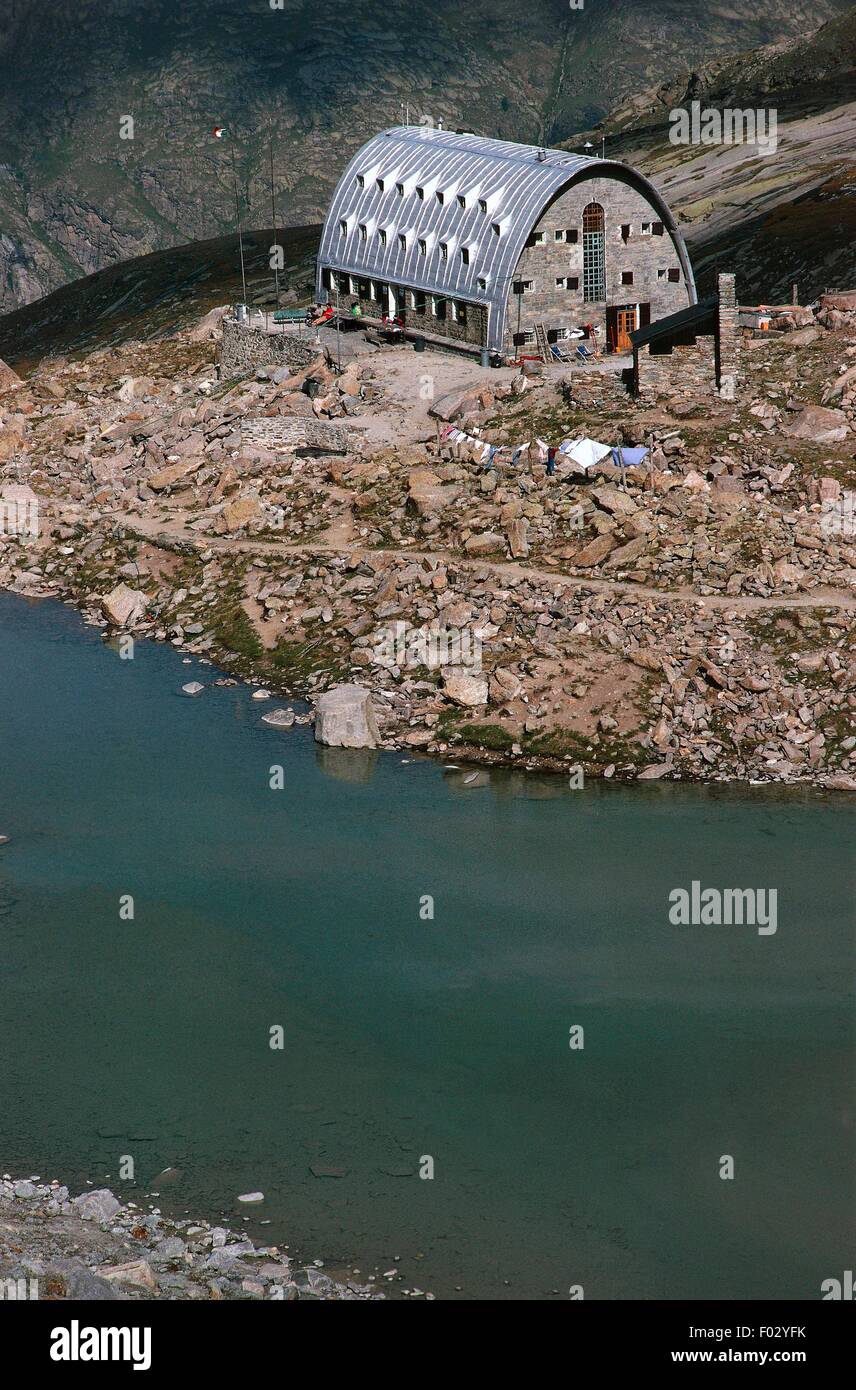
[{"x": 244, "y": 349}]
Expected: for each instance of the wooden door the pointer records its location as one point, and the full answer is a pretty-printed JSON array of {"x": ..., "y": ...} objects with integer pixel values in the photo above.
[{"x": 625, "y": 323}]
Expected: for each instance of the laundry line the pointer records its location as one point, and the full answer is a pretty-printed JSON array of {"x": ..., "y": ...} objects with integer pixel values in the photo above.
[{"x": 584, "y": 452}]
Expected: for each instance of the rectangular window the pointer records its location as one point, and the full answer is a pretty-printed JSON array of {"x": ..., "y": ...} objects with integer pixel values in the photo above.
[
  {"x": 524, "y": 286},
  {"x": 572, "y": 282},
  {"x": 423, "y": 247},
  {"x": 462, "y": 202},
  {"x": 657, "y": 228},
  {"x": 674, "y": 276},
  {"x": 421, "y": 302},
  {"x": 482, "y": 284},
  {"x": 529, "y": 335},
  {"x": 343, "y": 227},
  {"x": 399, "y": 188},
  {"x": 420, "y": 193},
  {"x": 572, "y": 234},
  {"x": 361, "y": 183},
  {"x": 444, "y": 251},
  {"x": 353, "y": 285},
  {"x": 465, "y": 255},
  {"x": 461, "y": 314},
  {"x": 482, "y": 205},
  {"x": 363, "y": 231},
  {"x": 626, "y": 229},
  {"x": 627, "y": 277},
  {"x": 441, "y": 197},
  {"x": 559, "y": 236},
  {"x": 496, "y": 228},
  {"x": 402, "y": 241},
  {"x": 645, "y": 229},
  {"x": 381, "y": 185},
  {"x": 381, "y": 236},
  {"x": 438, "y": 306},
  {"x": 594, "y": 268}
]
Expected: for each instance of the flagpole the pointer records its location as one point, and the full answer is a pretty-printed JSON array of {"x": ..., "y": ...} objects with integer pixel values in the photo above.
[{"x": 238, "y": 223}]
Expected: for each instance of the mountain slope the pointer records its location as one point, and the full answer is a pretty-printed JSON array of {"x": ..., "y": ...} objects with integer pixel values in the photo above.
[
  {"x": 74, "y": 196},
  {"x": 784, "y": 218}
]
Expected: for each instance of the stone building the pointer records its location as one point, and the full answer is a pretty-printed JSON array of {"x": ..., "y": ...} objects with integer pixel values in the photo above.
[
  {"x": 694, "y": 351},
  {"x": 481, "y": 241}
]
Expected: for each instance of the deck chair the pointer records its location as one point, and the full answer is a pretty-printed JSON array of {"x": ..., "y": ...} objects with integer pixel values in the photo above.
[{"x": 583, "y": 352}]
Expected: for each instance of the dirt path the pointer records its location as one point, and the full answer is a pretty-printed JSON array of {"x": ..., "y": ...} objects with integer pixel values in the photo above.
[{"x": 170, "y": 532}]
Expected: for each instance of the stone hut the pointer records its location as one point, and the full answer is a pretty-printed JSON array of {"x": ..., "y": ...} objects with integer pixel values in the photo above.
[{"x": 695, "y": 351}]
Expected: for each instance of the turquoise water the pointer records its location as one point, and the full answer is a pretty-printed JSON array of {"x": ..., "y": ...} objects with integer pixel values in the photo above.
[{"x": 407, "y": 1037}]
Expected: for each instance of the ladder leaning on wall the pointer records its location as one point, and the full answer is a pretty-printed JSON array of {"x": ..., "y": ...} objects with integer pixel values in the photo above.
[{"x": 542, "y": 343}]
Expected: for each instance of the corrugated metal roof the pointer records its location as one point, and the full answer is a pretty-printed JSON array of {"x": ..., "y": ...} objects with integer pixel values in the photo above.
[{"x": 392, "y": 183}]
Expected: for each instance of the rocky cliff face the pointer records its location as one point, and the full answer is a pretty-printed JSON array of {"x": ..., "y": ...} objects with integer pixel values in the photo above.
[{"x": 77, "y": 193}]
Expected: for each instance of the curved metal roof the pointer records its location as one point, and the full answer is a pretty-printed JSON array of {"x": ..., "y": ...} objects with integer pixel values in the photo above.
[{"x": 392, "y": 183}]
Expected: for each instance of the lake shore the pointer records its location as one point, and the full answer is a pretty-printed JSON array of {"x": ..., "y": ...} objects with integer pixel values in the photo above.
[{"x": 93, "y": 1247}]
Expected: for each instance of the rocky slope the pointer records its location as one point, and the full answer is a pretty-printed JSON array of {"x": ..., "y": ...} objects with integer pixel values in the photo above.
[
  {"x": 778, "y": 219},
  {"x": 75, "y": 196},
  {"x": 692, "y": 618}
]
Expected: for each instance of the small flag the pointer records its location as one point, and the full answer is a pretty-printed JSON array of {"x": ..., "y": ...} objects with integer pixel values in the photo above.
[{"x": 219, "y": 131}]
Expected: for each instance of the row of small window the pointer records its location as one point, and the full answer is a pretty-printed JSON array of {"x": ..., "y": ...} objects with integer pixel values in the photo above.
[
  {"x": 439, "y": 195},
  {"x": 383, "y": 239},
  {"x": 527, "y": 336},
  {"x": 417, "y": 301},
  {"x": 571, "y": 282},
  {"x": 570, "y": 235},
  {"x": 421, "y": 242}
]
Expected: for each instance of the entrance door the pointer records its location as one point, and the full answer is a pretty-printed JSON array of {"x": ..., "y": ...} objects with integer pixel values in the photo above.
[
  {"x": 621, "y": 321},
  {"x": 625, "y": 324}
]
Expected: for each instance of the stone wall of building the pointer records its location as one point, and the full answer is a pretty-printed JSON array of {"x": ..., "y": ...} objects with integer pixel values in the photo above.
[
  {"x": 244, "y": 348},
  {"x": 685, "y": 371},
  {"x": 648, "y": 256},
  {"x": 710, "y": 365},
  {"x": 730, "y": 338}
]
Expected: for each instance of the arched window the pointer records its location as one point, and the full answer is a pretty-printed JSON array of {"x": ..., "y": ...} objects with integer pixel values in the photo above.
[{"x": 594, "y": 262}]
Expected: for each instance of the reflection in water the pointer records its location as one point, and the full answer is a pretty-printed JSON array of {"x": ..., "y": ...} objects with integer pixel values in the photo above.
[{"x": 355, "y": 765}]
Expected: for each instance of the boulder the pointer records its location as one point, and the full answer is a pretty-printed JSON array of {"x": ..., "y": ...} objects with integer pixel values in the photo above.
[
  {"x": 819, "y": 424},
  {"x": 173, "y": 473},
  {"x": 239, "y": 513},
  {"x": 595, "y": 551},
  {"x": 344, "y": 718},
  {"x": 99, "y": 1205},
  {"x": 465, "y": 687},
  {"x": 518, "y": 538},
  {"x": 487, "y": 543},
  {"x": 124, "y": 606}
]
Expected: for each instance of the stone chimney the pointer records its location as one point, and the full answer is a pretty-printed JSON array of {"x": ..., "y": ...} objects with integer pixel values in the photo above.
[{"x": 728, "y": 338}]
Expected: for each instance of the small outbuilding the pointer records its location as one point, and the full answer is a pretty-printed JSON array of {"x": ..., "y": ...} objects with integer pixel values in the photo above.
[{"x": 696, "y": 350}]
